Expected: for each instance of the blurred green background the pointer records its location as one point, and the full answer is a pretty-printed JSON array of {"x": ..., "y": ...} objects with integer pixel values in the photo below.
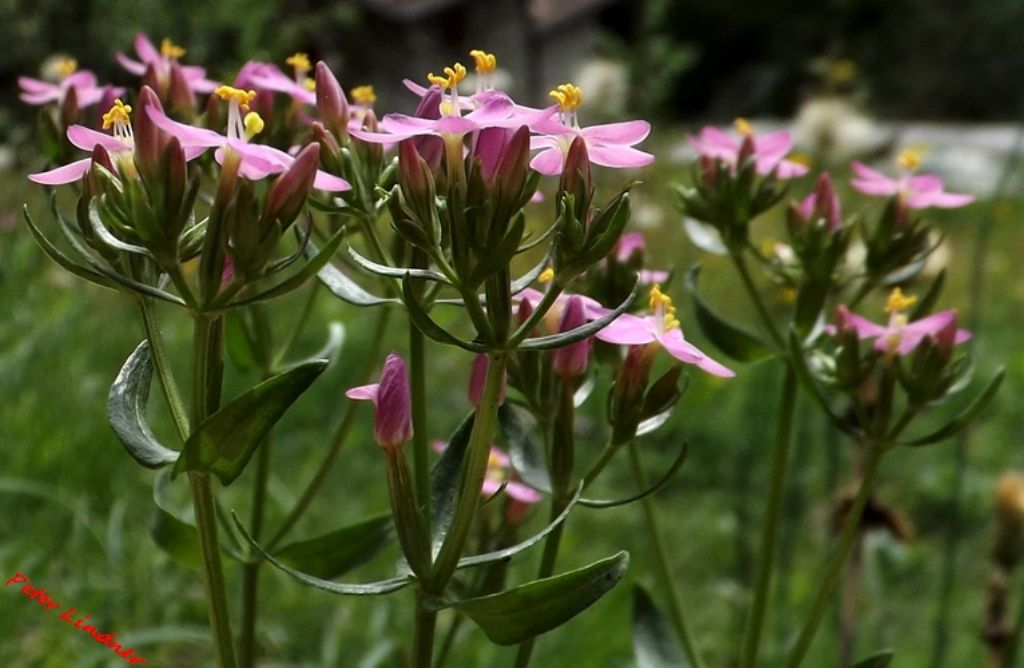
[{"x": 75, "y": 512}]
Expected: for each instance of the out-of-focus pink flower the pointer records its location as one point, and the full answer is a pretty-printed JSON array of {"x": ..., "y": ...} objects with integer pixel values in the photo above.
[
  {"x": 768, "y": 150},
  {"x": 257, "y": 160},
  {"x": 161, "y": 60},
  {"x": 899, "y": 335},
  {"x": 662, "y": 327},
  {"x": 634, "y": 242},
  {"x": 822, "y": 203},
  {"x": 915, "y": 192},
  {"x": 477, "y": 378},
  {"x": 571, "y": 361},
  {"x": 267, "y": 76},
  {"x": 608, "y": 145},
  {"x": 499, "y": 472},
  {"x": 87, "y": 91},
  {"x": 392, "y": 407}
]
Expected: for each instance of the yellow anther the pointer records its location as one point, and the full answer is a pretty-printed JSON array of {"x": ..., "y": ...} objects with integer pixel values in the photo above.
[
  {"x": 232, "y": 94},
  {"x": 119, "y": 113},
  {"x": 452, "y": 76},
  {"x": 547, "y": 275},
  {"x": 898, "y": 301},
  {"x": 909, "y": 159},
  {"x": 485, "y": 62},
  {"x": 743, "y": 126},
  {"x": 363, "y": 95},
  {"x": 309, "y": 84},
  {"x": 169, "y": 49},
  {"x": 842, "y": 70},
  {"x": 299, "y": 61},
  {"x": 662, "y": 304},
  {"x": 804, "y": 159},
  {"x": 253, "y": 124},
  {"x": 788, "y": 295},
  {"x": 568, "y": 97},
  {"x": 66, "y": 66}
]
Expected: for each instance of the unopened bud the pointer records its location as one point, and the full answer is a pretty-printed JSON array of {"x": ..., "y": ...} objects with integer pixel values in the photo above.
[
  {"x": 288, "y": 193},
  {"x": 331, "y": 102},
  {"x": 180, "y": 98},
  {"x": 571, "y": 361},
  {"x": 391, "y": 402}
]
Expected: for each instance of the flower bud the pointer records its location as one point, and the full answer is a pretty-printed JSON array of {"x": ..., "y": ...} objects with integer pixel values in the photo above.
[
  {"x": 331, "y": 102},
  {"x": 391, "y": 403},
  {"x": 571, "y": 361},
  {"x": 288, "y": 193},
  {"x": 430, "y": 148},
  {"x": 149, "y": 139},
  {"x": 151, "y": 79},
  {"x": 69, "y": 108},
  {"x": 330, "y": 151},
  {"x": 627, "y": 395},
  {"x": 180, "y": 98},
  {"x": 576, "y": 178},
  {"x": 415, "y": 178}
]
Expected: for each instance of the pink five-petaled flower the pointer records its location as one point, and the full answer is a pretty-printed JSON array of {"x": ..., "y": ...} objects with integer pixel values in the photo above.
[
  {"x": 608, "y": 145},
  {"x": 634, "y": 243},
  {"x": 914, "y": 192},
  {"x": 161, "y": 60},
  {"x": 83, "y": 82},
  {"x": 499, "y": 467},
  {"x": 256, "y": 160},
  {"x": 267, "y": 76},
  {"x": 899, "y": 335},
  {"x": 661, "y": 327},
  {"x": 769, "y": 150},
  {"x": 392, "y": 411}
]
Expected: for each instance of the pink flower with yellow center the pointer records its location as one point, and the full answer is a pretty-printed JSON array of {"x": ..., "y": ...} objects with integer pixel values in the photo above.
[
  {"x": 768, "y": 150},
  {"x": 161, "y": 60},
  {"x": 499, "y": 473},
  {"x": 83, "y": 82},
  {"x": 914, "y": 192}
]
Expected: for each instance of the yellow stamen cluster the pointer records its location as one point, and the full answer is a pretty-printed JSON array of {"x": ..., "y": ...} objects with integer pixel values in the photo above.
[
  {"x": 253, "y": 124},
  {"x": 452, "y": 76},
  {"x": 909, "y": 159},
  {"x": 899, "y": 302},
  {"x": 309, "y": 84},
  {"x": 547, "y": 275},
  {"x": 486, "y": 63},
  {"x": 119, "y": 113},
  {"x": 169, "y": 49},
  {"x": 232, "y": 94},
  {"x": 660, "y": 302},
  {"x": 568, "y": 97},
  {"x": 743, "y": 126},
  {"x": 363, "y": 95},
  {"x": 300, "y": 61},
  {"x": 66, "y": 66}
]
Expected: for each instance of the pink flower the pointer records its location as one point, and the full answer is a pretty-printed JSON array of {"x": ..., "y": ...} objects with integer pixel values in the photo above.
[
  {"x": 769, "y": 150},
  {"x": 822, "y": 204},
  {"x": 899, "y": 335},
  {"x": 267, "y": 76},
  {"x": 914, "y": 192},
  {"x": 571, "y": 361},
  {"x": 661, "y": 327},
  {"x": 161, "y": 60},
  {"x": 392, "y": 410},
  {"x": 83, "y": 82},
  {"x": 608, "y": 145},
  {"x": 634, "y": 242},
  {"x": 499, "y": 472},
  {"x": 497, "y": 112},
  {"x": 257, "y": 160}
]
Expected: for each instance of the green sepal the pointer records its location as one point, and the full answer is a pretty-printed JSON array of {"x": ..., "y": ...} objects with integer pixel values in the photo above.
[
  {"x": 365, "y": 589},
  {"x": 654, "y": 643},
  {"x": 661, "y": 482},
  {"x": 584, "y": 331},
  {"x": 880, "y": 660},
  {"x": 226, "y": 440},
  {"x": 126, "y": 411},
  {"x": 965, "y": 417},
  {"x": 515, "y": 615},
  {"x": 344, "y": 288},
  {"x": 338, "y": 552},
  {"x": 396, "y": 272},
  {"x": 731, "y": 339}
]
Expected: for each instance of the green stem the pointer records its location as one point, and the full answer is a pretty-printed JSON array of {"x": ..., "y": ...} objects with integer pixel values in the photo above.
[
  {"x": 661, "y": 563},
  {"x": 251, "y": 569},
  {"x": 207, "y": 374},
  {"x": 766, "y": 553},
  {"x": 834, "y": 571},
  {"x": 418, "y": 395},
  {"x": 423, "y": 636},
  {"x": 163, "y": 370},
  {"x": 755, "y": 297}
]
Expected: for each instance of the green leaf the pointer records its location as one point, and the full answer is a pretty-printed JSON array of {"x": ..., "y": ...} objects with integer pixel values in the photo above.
[
  {"x": 396, "y": 272},
  {"x": 731, "y": 339},
  {"x": 527, "y": 459},
  {"x": 347, "y": 290},
  {"x": 312, "y": 266},
  {"x": 965, "y": 417},
  {"x": 178, "y": 539},
  {"x": 654, "y": 643},
  {"x": 63, "y": 260},
  {"x": 338, "y": 552},
  {"x": 426, "y": 324},
  {"x": 444, "y": 481},
  {"x": 518, "y": 614},
  {"x": 126, "y": 410},
  {"x": 662, "y": 481},
  {"x": 879, "y": 660},
  {"x": 927, "y": 302},
  {"x": 808, "y": 382},
  {"x": 226, "y": 440},
  {"x": 582, "y": 332},
  {"x": 367, "y": 589}
]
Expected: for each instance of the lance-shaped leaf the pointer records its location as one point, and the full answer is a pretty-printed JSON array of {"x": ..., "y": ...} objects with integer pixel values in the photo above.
[
  {"x": 730, "y": 338},
  {"x": 527, "y": 459},
  {"x": 335, "y": 553},
  {"x": 798, "y": 361},
  {"x": 396, "y": 272},
  {"x": 444, "y": 481},
  {"x": 654, "y": 643},
  {"x": 661, "y": 482},
  {"x": 584, "y": 331},
  {"x": 880, "y": 660},
  {"x": 965, "y": 417},
  {"x": 347, "y": 290},
  {"x": 312, "y": 267},
  {"x": 518, "y": 614},
  {"x": 704, "y": 236},
  {"x": 96, "y": 222},
  {"x": 126, "y": 410},
  {"x": 426, "y": 324},
  {"x": 927, "y": 301},
  {"x": 176, "y": 538},
  {"x": 226, "y": 440},
  {"x": 364, "y": 589}
]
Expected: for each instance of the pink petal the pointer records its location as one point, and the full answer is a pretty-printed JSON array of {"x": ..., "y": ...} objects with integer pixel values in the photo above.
[
  {"x": 61, "y": 175},
  {"x": 80, "y": 79},
  {"x": 874, "y": 187},
  {"x": 188, "y": 135},
  {"x": 773, "y": 145},
  {"x": 494, "y": 109},
  {"x": 414, "y": 87},
  {"x": 684, "y": 351},
  {"x": 87, "y": 139},
  {"x": 650, "y": 276},
  {"x": 932, "y": 324},
  {"x": 924, "y": 183},
  {"x": 133, "y": 66},
  {"x": 147, "y": 52},
  {"x": 548, "y": 162},
  {"x": 864, "y": 328},
  {"x": 628, "y": 330},
  {"x": 454, "y": 125},
  {"x": 940, "y": 199},
  {"x": 627, "y": 132},
  {"x": 39, "y": 98},
  {"x": 30, "y": 85},
  {"x": 618, "y": 156},
  {"x": 490, "y": 487},
  {"x": 522, "y": 493},
  {"x": 787, "y": 169},
  {"x": 364, "y": 392},
  {"x": 329, "y": 182}
]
